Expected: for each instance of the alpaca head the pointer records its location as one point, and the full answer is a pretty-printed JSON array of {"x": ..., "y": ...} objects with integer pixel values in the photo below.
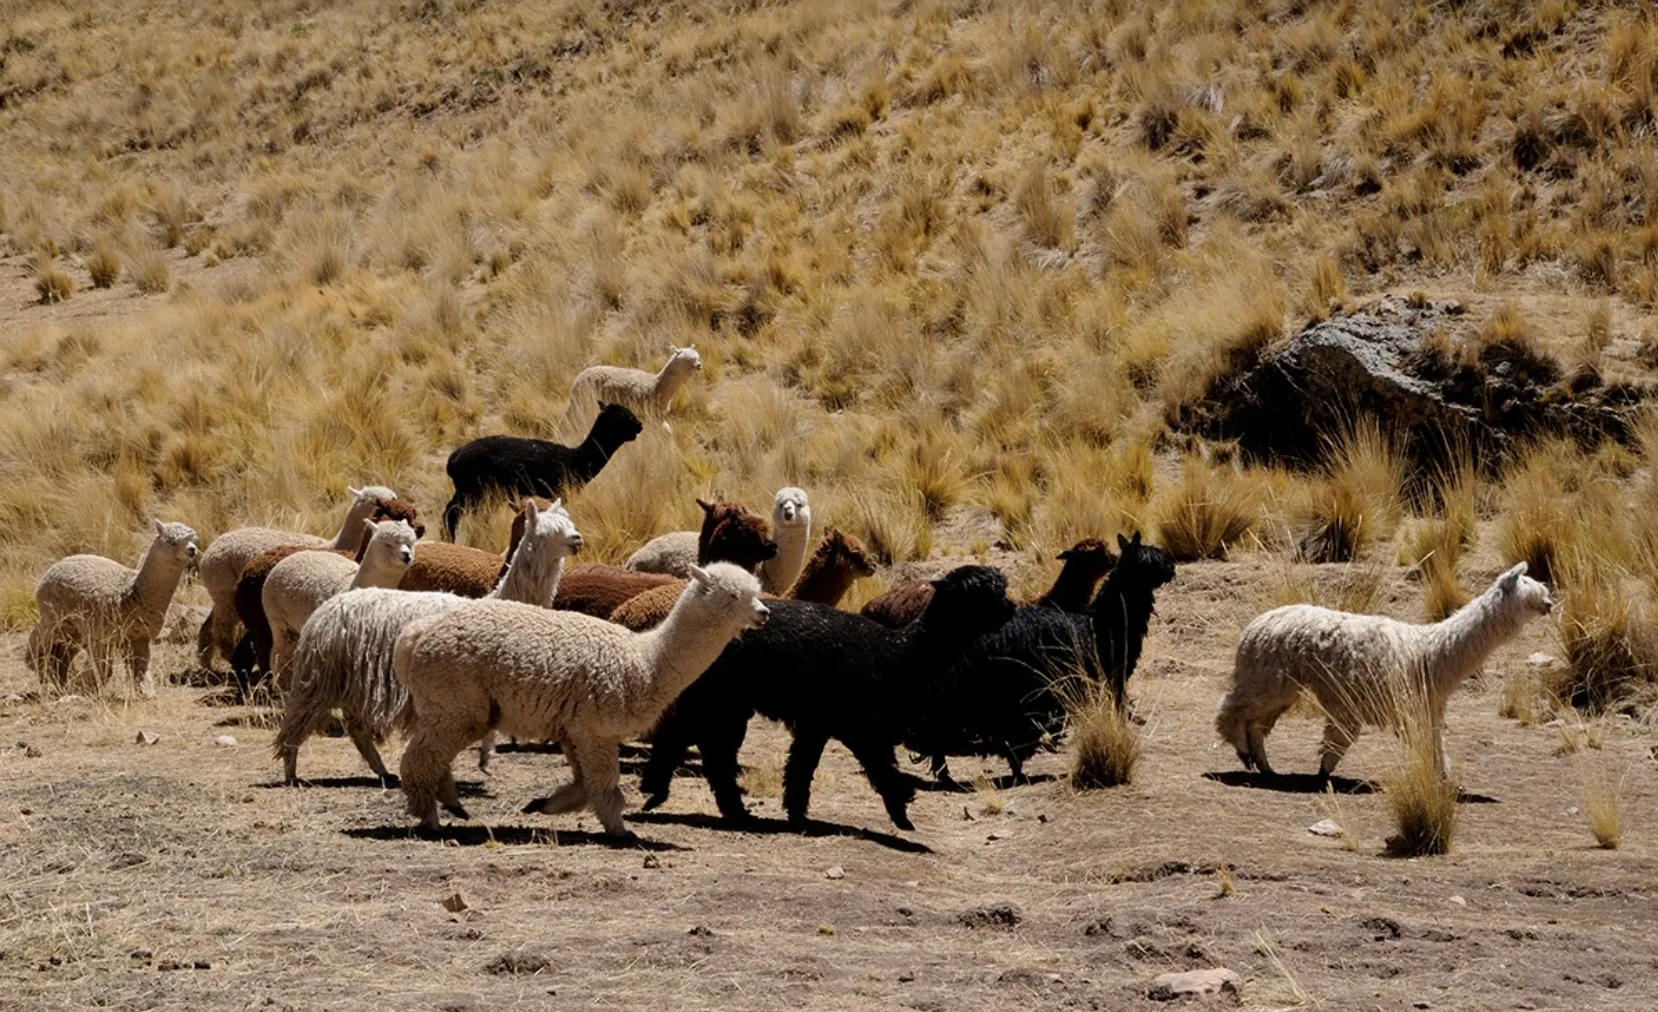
[
  {"x": 970, "y": 599},
  {"x": 391, "y": 545},
  {"x": 741, "y": 538},
  {"x": 550, "y": 533},
  {"x": 842, "y": 550},
  {"x": 399, "y": 509},
  {"x": 1143, "y": 567},
  {"x": 683, "y": 360},
  {"x": 177, "y": 540},
  {"x": 1514, "y": 589},
  {"x": 726, "y": 596},
  {"x": 790, "y": 508},
  {"x": 1090, "y": 558},
  {"x": 615, "y": 425},
  {"x": 370, "y": 495}
]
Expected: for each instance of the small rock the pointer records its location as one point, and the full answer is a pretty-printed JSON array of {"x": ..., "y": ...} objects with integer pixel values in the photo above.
[
  {"x": 996, "y": 915},
  {"x": 652, "y": 861},
  {"x": 71, "y": 698},
  {"x": 1324, "y": 827},
  {"x": 1383, "y": 928},
  {"x": 1458, "y": 901},
  {"x": 202, "y": 964},
  {"x": 225, "y": 740},
  {"x": 905, "y": 912},
  {"x": 700, "y": 932},
  {"x": 1420, "y": 1004},
  {"x": 1041, "y": 817},
  {"x": 834, "y": 871},
  {"x": 1193, "y": 983},
  {"x": 146, "y": 738},
  {"x": 999, "y": 835},
  {"x": 1539, "y": 660},
  {"x": 913, "y": 883},
  {"x": 455, "y": 903},
  {"x": 144, "y": 955},
  {"x": 906, "y": 977},
  {"x": 825, "y": 929},
  {"x": 13, "y": 697}
]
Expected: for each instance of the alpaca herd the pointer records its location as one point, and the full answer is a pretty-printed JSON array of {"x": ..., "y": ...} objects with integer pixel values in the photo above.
[{"x": 699, "y": 632}]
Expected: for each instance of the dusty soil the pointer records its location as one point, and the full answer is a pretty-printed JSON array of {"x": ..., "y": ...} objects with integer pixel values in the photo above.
[{"x": 182, "y": 875}]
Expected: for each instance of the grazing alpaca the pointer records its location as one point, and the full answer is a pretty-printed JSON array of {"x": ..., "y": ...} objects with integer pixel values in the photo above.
[
  {"x": 88, "y": 602},
  {"x": 223, "y": 561},
  {"x": 826, "y": 674},
  {"x": 1009, "y": 692},
  {"x": 520, "y": 466},
  {"x": 648, "y": 395},
  {"x": 1085, "y": 564},
  {"x": 533, "y": 673},
  {"x": 1366, "y": 669},
  {"x": 344, "y": 656}
]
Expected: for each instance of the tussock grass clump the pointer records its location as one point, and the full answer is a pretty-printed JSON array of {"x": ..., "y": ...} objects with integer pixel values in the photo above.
[
  {"x": 1107, "y": 746},
  {"x": 52, "y": 284},
  {"x": 1211, "y": 509},
  {"x": 1422, "y": 803},
  {"x": 1611, "y": 646},
  {"x": 104, "y": 264},
  {"x": 1358, "y": 501},
  {"x": 149, "y": 271},
  {"x": 1602, "y": 805}
]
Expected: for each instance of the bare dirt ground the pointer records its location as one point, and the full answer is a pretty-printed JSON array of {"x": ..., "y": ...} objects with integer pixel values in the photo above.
[{"x": 182, "y": 875}]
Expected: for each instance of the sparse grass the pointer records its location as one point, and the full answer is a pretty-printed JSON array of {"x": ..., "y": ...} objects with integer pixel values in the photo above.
[
  {"x": 1611, "y": 647},
  {"x": 52, "y": 284},
  {"x": 104, "y": 264},
  {"x": 1602, "y": 804},
  {"x": 1225, "y": 882},
  {"x": 148, "y": 270},
  {"x": 990, "y": 799},
  {"x": 1423, "y": 803},
  {"x": 1210, "y": 510},
  {"x": 1331, "y": 806},
  {"x": 1106, "y": 746}
]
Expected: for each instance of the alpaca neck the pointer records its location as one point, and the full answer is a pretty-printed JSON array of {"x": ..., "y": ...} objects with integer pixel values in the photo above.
[
  {"x": 155, "y": 581},
  {"x": 1072, "y": 590},
  {"x": 1459, "y": 644},
  {"x": 350, "y": 534},
  {"x": 1122, "y": 614},
  {"x": 822, "y": 582},
  {"x": 375, "y": 573},
  {"x": 779, "y": 573},
  {"x": 677, "y": 652},
  {"x": 590, "y": 458},
  {"x": 668, "y": 381},
  {"x": 529, "y": 583}
]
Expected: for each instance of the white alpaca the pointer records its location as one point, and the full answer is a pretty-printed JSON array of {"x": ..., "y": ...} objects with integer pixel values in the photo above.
[
  {"x": 88, "y": 602},
  {"x": 344, "y": 655},
  {"x": 222, "y": 564},
  {"x": 791, "y": 528},
  {"x": 645, "y": 394},
  {"x": 538, "y": 674},
  {"x": 1366, "y": 669},
  {"x": 300, "y": 583}
]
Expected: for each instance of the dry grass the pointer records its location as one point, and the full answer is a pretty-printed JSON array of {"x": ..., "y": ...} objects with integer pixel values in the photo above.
[
  {"x": 1106, "y": 745},
  {"x": 1423, "y": 804},
  {"x": 1210, "y": 510},
  {"x": 104, "y": 264},
  {"x": 1602, "y": 808},
  {"x": 51, "y": 283}
]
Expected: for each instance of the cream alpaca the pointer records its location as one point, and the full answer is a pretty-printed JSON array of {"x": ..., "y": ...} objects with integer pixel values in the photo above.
[
  {"x": 791, "y": 528},
  {"x": 645, "y": 394},
  {"x": 222, "y": 564},
  {"x": 537, "y": 674},
  {"x": 1365, "y": 669},
  {"x": 299, "y": 583},
  {"x": 344, "y": 656},
  {"x": 88, "y": 602}
]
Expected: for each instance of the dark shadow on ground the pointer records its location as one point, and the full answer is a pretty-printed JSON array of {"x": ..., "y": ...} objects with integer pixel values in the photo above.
[
  {"x": 777, "y": 827},
  {"x": 1002, "y": 783},
  {"x": 464, "y": 789},
  {"x": 1312, "y": 783},
  {"x": 511, "y": 836}
]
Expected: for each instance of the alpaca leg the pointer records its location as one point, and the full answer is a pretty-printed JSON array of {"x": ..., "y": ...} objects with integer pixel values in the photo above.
[
  {"x": 1255, "y": 756},
  {"x": 452, "y": 515},
  {"x": 881, "y": 767},
  {"x": 50, "y": 658},
  {"x": 940, "y": 765},
  {"x": 1442, "y": 757},
  {"x": 1338, "y": 737},
  {"x": 138, "y": 659},
  {"x": 720, "y": 742},
  {"x": 669, "y": 743},
  {"x": 363, "y": 737},
  {"x": 602, "y": 774},
  {"x": 569, "y": 797},
  {"x": 486, "y": 751},
  {"x": 103, "y": 663},
  {"x": 426, "y": 772},
  {"x": 222, "y": 627},
  {"x": 804, "y": 754},
  {"x": 206, "y": 647}
]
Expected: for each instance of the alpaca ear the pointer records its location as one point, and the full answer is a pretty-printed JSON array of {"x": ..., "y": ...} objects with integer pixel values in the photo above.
[
  {"x": 701, "y": 575},
  {"x": 1066, "y": 554},
  {"x": 707, "y": 507},
  {"x": 1511, "y": 579},
  {"x": 158, "y": 528},
  {"x": 1136, "y": 542},
  {"x": 355, "y": 493},
  {"x": 530, "y": 510},
  {"x": 557, "y": 506},
  {"x": 1122, "y": 542}
]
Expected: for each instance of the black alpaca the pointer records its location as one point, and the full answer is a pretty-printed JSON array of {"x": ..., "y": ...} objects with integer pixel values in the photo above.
[
  {"x": 1007, "y": 693},
  {"x": 520, "y": 466},
  {"x": 826, "y": 674}
]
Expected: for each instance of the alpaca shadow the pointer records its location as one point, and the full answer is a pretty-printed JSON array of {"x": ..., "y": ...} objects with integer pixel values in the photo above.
[
  {"x": 264, "y": 720},
  {"x": 1293, "y": 783},
  {"x": 1006, "y": 781},
  {"x": 391, "y": 783},
  {"x": 510, "y": 836},
  {"x": 625, "y": 752},
  {"x": 636, "y": 767},
  {"x": 779, "y": 827}
]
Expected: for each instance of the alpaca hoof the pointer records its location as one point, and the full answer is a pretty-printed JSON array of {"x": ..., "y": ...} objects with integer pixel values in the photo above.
[
  {"x": 535, "y": 807},
  {"x": 456, "y": 810},
  {"x": 902, "y": 821},
  {"x": 391, "y": 782},
  {"x": 654, "y": 801}
]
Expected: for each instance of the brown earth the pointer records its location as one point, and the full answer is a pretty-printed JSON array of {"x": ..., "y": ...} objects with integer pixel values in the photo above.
[{"x": 182, "y": 875}]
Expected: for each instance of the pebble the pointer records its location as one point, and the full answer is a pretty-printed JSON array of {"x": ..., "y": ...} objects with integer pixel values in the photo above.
[
  {"x": 1324, "y": 827},
  {"x": 834, "y": 871},
  {"x": 1539, "y": 660},
  {"x": 455, "y": 903},
  {"x": 1170, "y": 986},
  {"x": 1459, "y": 901},
  {"x": 146, "y": 738},
  {"x": 226, "y": 740}
]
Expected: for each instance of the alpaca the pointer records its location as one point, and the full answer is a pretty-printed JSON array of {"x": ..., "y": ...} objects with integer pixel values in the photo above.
[
  {"x": 673, "y": 554},
  {"x": 598, "y": 590},
  {"x": 299, "y": 583},
  {"x": 791, "y": 528},
  {"x": 521, "y": 466},
  {"x": 222, "y": 563},
  {"x": 826, "y": 674},
  {"x": 1366, "y": 669},
  {"x": 88, "y": 602},
  {"x": 837, "y": 564},
  {"x": 648, "y": 395},
  {"x": 1085, "y": 564},
  {"x": 343, "y": 658},
  {"x": 500, "y": 665},
  {"x": 1008, "y": 693}
]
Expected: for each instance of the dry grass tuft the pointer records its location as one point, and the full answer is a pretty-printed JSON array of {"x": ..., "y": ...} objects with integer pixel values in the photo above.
[
  {"x": 1611, "y": 647},
  {"x": 1423, "y": 804},
  {"x": 1602, "y": 805},
  {"x": 1106, "y": 744},
  {"x": 52, "y": 284},
  {"x": 148, "y": 270},
  {"x": 990, "y": 798},
  {"x": 1211, "y": 509},
  {"x": 104, "y": 264},
  {"x": 1331, "y": 806}
]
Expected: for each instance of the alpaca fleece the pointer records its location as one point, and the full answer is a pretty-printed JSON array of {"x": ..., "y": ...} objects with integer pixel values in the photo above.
[
  {"x": 598, "y": 590},
  {"x": 223, "y": 561},
  {"x": 344, "y": 655},
  {"x": 521, "y": 466},
  {"x": 1366, "y": 669},
  {"x": 673, "y": 554},
  {"x": 502, "y": 666},
  {"x": 791, "y": 528},
  {"x": 1085, "y": 564},
  {"x": 825, "y": 674},
  {"x": 648, "y": 395},
  {"x": 1008, "y": 693},
  {"x": 88, "y": 602}
]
